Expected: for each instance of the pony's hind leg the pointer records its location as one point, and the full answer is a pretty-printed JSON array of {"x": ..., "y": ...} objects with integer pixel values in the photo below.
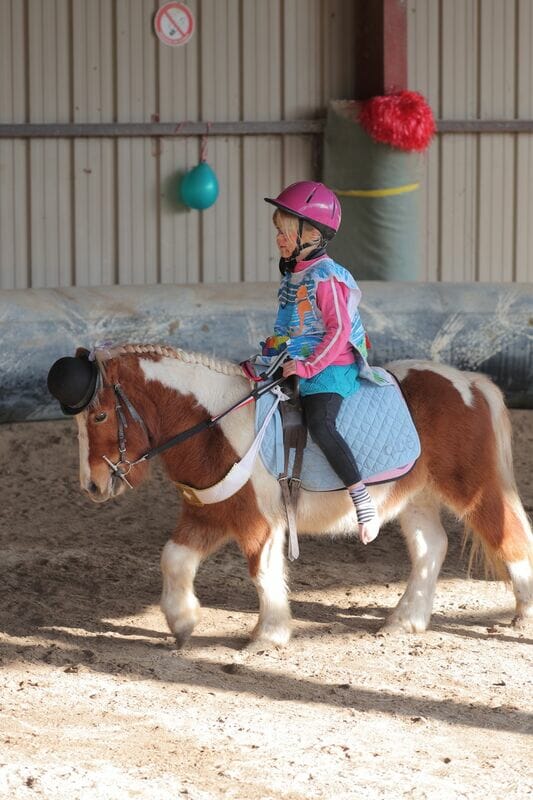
[
  {"x": 267, "y": 569},
  {"x": 427, "y": 543}
]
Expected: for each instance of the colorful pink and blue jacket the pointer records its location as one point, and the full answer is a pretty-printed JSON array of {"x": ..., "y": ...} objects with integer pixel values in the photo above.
[{"x": 318, "y": 311}]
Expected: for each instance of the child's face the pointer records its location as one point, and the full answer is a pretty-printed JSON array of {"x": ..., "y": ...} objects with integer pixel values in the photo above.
[
  {"x": 285, "y": 240},
  {"x": 287, "y": 227}
]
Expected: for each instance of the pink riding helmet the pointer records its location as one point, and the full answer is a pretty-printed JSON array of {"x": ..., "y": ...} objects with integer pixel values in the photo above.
[{"x": 312, "y": 202}]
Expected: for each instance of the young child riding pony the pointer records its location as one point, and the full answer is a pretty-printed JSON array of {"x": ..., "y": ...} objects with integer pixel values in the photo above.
[{"x": 319, "y": 325}]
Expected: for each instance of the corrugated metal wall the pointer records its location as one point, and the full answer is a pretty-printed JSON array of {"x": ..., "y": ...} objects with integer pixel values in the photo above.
[
  {"x": 104, "y": 211},
  {"x": 473, "y": 59}
]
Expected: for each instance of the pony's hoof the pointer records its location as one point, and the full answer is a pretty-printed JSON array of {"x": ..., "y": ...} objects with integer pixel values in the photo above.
[
  {"x": 264, "y": 637},
  {"x": 520, "y": 622},
  {"x": 181, "y": 619},
  {"x": 257, "y": 646},
  {"x": 393, "y": 627},
  {"x": 182, "y": 637}
]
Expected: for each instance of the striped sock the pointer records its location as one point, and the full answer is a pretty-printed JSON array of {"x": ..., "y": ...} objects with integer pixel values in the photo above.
[
  {"x": 364, "y": 505},
  {"x": 367, "y": 516}
]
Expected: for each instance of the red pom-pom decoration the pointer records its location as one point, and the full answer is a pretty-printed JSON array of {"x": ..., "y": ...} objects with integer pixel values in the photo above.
[{"x": 403, "y": 120}]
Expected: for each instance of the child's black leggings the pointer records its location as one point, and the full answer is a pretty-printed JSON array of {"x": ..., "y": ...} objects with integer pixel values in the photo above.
[{"x": 321, "y": 413}]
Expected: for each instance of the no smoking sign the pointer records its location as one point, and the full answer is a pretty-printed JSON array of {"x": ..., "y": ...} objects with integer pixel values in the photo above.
[{"x": 174, "y": 24}]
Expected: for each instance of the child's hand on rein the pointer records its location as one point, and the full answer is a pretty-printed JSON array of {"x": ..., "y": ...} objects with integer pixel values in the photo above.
[{"x": 289, "y": 368}]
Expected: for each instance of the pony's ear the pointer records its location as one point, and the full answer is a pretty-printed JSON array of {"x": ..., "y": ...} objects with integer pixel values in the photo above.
[{"x": 82, "y": 352}]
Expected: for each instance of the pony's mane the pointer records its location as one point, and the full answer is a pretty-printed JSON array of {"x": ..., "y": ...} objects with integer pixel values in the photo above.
[{"x": 103, "y": 354}]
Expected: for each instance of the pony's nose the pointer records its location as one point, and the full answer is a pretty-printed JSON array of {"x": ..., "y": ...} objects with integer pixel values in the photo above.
[{"x": 95, "y": 492}]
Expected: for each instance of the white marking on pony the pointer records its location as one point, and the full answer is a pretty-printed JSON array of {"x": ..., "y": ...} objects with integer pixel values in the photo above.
[
  {"x": 333, "y": 512},
  {"x": 178, "y": 601},
  {"x": 274, "y": 622},
  {"x": 427, "y": 543},
  {"x": 460, "y": 380},
  {"x": 521, "y": 574},
  {"x": 83, "y": 439}
]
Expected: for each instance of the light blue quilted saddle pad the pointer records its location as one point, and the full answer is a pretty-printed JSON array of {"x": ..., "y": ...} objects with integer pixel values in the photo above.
[{"x": 375, "y": 422}]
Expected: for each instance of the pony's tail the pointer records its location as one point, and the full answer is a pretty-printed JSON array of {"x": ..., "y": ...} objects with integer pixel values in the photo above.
[{"x": 498, "y": 525}]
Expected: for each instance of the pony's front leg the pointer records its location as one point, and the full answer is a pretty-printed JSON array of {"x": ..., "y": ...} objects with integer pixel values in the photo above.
[
  {"x": 267, "y": 569},
  {"x": 179, "y": 564},
  {"x": 195, "y": 538},
  {"x": 427, "y": 543}
]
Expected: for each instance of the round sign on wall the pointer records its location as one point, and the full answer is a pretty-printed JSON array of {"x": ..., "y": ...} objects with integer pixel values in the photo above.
[{"x": 174, "y": 24}]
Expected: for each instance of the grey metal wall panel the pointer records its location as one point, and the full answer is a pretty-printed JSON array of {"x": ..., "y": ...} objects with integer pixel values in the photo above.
[
  {"x": 497, "y": 93},
  {"x": 104, "y": 211},
  {"x": 262, "y": 159},
  {"x": 14, "y": 217},
  {"x": 137, "y": 166},
  {"x": 424, "y": 75},
  {"x": 95, "y": 235},
  {"x": 524, "y": 145},
  {"x": 179, "y": 99},
  {"x": 301, "y": 80},
  {"x": 49, "y": 178},
  {"x": 220, "y": 65},
  {"x": 473, "y": 60},
  {"x": 338, "y": 63},
  {"x": 459, "y": 77}
]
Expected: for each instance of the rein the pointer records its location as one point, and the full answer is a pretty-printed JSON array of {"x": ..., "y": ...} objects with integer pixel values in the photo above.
[{"x": 123, "y": 466}]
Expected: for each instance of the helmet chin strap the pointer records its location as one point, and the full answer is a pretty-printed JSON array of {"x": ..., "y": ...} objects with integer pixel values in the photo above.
[{"x": 288, "y": 264}]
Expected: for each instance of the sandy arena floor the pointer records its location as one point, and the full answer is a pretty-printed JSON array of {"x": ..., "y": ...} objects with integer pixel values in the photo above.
[{"x": 96, "y": 702}]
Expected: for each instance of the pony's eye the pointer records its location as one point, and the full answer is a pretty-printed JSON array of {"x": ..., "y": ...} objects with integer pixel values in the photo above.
[{"x": 100, "y": 417}]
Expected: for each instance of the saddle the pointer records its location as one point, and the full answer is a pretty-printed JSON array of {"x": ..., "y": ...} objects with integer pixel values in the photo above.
[{"x": 375, "y": 423}]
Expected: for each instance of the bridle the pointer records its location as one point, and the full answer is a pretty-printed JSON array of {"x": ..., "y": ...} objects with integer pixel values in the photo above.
[{"x": 122, "y": 468}]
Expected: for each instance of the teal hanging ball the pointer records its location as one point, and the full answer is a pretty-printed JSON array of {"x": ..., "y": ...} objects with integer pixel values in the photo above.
[{"x": 199, "y": 187}]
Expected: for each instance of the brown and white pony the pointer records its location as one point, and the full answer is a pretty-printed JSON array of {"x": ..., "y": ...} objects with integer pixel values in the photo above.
[{"x": 465, "y": 465}]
